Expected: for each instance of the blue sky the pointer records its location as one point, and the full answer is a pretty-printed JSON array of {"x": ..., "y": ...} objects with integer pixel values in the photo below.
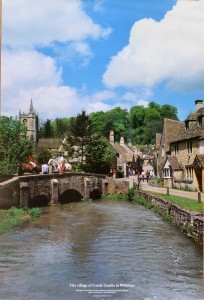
[{"x": 69, "y": 55}]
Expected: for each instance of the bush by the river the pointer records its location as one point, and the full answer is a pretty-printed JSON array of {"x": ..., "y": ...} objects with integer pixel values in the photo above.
[{"x": 13, "y": 217}]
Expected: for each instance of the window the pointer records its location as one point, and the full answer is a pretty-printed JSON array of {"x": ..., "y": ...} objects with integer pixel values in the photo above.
[
  {"x": 190, "y": 147},
  {"x": 200, "y": 120},
  {"x": 189, "y": 172},
  {"x": 187, "y": 125},
  {"x": 167, "y": 172},
  {"x": 176, "y": 149}
]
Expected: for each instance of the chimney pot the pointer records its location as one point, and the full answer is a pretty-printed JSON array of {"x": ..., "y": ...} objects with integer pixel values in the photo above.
[{"x": 198, "y": 104}]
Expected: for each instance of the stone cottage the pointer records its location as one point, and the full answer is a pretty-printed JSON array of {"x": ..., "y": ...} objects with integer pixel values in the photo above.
[
  {"x": 180, "y": 151},
  {"x": 127, "y": 159}
]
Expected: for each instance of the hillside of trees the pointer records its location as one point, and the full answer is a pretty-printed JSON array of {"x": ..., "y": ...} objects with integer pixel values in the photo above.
[{"x": 139, "y": 125}]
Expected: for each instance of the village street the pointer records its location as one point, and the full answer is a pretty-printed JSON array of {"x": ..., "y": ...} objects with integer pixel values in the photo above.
[{"x": 175, "y": 192}]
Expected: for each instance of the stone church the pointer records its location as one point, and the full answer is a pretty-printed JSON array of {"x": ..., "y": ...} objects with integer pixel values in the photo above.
[{"x": 31, "y": 121}]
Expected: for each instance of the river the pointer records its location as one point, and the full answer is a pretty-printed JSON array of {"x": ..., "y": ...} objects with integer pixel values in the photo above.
[{"x": 99, "y": 250}]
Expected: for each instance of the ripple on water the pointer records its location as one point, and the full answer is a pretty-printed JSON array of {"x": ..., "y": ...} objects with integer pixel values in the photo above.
[{"x": 102, "y": 242}]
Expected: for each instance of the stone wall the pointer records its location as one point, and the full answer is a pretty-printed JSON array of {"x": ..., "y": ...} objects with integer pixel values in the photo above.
[
  {"x": 19, "y": 190},
  {"x": 190, "y": 223},
  {"x": 117, "y": 186},
  {"x": 9, "y": 193}
]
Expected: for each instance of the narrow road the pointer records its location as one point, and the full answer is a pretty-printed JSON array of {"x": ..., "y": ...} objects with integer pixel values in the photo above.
[{"x": 186, "y": 194}]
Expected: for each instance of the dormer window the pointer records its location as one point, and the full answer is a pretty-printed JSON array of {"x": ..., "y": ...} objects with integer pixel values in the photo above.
[
  {"x": 200, "y": 121},
  {"x": 190, "y": 147},
  {"x": 176, "y": 149},
  {"x": 187, "y": 125}
]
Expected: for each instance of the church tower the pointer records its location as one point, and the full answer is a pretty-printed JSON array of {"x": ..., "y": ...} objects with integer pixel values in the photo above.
[{"x": 31, "y": 121}]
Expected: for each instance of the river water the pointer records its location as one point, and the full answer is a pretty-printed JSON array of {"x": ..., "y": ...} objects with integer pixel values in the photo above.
[{"x": 99, "y": 250}]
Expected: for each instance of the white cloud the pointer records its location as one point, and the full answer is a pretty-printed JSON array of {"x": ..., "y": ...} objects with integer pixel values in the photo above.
[
  {"x": 27, "y": 73},
  {"x": 98, "y": 106},
  {"x": 28, "y": 69},
  {"x": 134, "y": 99},
  {"x": 53, "y": 102},
  {"x": 31, "y": 75},
  {"x": 168, "y": 51},
  {"x": 28, "y": 23},
  {"x": 103, "y": 95}
]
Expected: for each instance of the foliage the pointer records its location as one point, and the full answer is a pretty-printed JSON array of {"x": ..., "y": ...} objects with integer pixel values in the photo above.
[
  {"x": 16, "y": 216},
  {"x": 142, "y": 201},
  {"x": 43, "y": 155},
  {"x": 46, "y": 130},
  {"x": 157, "y": 181},
  {"x": 99, "y": 156},
  {"x": 34, "y": 212},
  {"x": 86, "y": 200},
  {"x": 131, "y": 193},
  {"x": 15, "y": 146},
  {"x": 139, "y": 125},
  {"x": 184, "y": 203},
  {"x": 80, "y": 132},
  {"x": 120, "y": 197}
]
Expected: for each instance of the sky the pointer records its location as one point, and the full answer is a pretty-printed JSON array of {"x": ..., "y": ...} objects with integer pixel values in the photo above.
[{"x": 95, "y": 55}]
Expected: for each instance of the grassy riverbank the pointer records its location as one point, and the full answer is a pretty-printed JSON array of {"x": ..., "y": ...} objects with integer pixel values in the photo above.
[
  {"x": 13, "y": 217},
  {"x": 184, "y": 203}
]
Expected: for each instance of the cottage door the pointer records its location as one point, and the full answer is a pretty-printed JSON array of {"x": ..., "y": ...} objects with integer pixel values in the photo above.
[{"x": 198, "y": 173}]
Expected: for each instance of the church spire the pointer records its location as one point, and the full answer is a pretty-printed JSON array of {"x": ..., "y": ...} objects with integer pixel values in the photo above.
[{"x": 31, "y": 105}]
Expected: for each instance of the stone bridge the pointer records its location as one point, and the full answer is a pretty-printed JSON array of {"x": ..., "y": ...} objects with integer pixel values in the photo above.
[{"x": 41, "y": 190}]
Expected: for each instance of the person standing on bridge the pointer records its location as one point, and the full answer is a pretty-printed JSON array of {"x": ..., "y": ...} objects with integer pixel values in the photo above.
[{"x": 45, "y": 169}]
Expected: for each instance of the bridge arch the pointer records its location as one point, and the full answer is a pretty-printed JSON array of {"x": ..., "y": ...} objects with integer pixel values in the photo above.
[
  {"x": 38, "y": 201},
  {"x": 95, "y": 194},
  {"x": 70, "y": 195}
]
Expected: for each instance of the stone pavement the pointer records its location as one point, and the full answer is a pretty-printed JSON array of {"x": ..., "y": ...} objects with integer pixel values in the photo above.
[{"x": 148, "y": 187}]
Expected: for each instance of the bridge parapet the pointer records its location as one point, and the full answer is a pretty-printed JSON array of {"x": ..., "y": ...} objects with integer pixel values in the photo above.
[{"x": 50, "y": 186}]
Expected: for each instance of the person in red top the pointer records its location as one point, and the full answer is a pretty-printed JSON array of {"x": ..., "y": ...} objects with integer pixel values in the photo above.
[
  {"x": 62, "y": 168},
  {"x": 114, "y": 173},
  {"x": 32, "y": 160}
]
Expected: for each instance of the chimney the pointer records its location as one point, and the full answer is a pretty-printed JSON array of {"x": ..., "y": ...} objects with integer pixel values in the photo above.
[
  {"x": 122, "y": 141},
  {"x": 198, "y": 104},
  {"x": 111, "y": 136}
]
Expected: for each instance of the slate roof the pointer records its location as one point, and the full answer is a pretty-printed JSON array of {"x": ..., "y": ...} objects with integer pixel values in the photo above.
[
  {"x": 50, "y": 143},
  {"x": 199, "y": 159},
  {"x": 174, "y": 162},
  {"x": 171, "y": 131},
  {"x": 127, "y": 155},
  {"x": 194, "y": 116},
  {"x": 195, "y": 131}
]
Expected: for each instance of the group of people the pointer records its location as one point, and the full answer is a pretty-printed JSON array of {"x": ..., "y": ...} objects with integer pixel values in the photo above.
[
  {"x": 56, "y": 165},
  {"x": 145, "y": 175}
]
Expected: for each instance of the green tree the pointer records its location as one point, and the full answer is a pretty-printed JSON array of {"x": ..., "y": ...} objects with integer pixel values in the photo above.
[
  {"x": 98, "y": 121},
  {"x": 137, "y": 116},
  {"x": 60, "y": 127},
  {"x": 118, "y": 120},
  {"x": 100, "y": 156},
  {"x": 15, "y": 146},
  {"x": 169, "y": 112},
  {"x": 80, "y": 132},
  {"x": 46, "y": 129},
  {"x": 154, "y": 119}
]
